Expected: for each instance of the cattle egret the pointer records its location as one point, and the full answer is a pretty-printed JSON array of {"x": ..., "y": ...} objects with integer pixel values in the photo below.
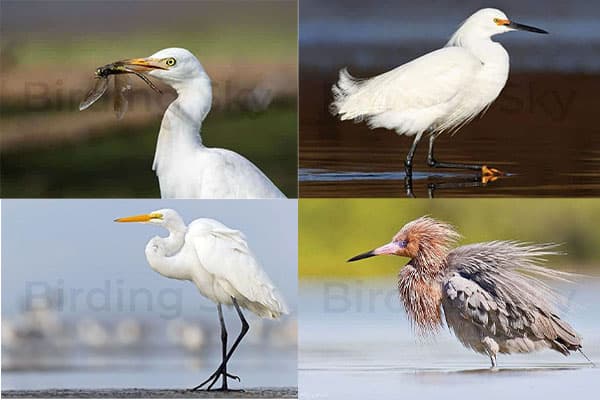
[
  {"x": 184, "y": 166},
  {"x": 490, "y": 307},
  {"x": 440, "y": 91},
  {"x": 219, "y": 262}
]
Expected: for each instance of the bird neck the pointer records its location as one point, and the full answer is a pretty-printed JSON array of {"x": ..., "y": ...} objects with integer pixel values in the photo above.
[
  {"x": 430, "y": 260},
  {"x": 481, "y": 46},
  {"x": 180, "y": 128},
  {"x": 161, "y": 253},
  {"x": 421, "y": 294}
]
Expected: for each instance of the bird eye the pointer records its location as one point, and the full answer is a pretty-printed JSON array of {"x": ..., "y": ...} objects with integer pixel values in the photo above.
[
  {"x": 170, "y": 62},
  {"x": 402, "y": 243}
]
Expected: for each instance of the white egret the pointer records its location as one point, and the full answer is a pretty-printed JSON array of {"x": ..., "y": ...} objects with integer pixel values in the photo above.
[
  {"x": 219, "y": 262},
  {"x": 440, "y": 91},
  {"x": 184, "y": 166}
]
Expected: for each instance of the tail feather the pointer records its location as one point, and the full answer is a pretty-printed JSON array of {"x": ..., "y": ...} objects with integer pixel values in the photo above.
[
  {"x": 565, "y": 334},
  {"x": 345, "y": 87}
]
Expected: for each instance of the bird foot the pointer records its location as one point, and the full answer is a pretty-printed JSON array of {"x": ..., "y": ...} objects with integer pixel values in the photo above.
[
  {"x": 222, "y": 389},
  {"x": 213, "y": 379},
  {"x": 489, "y": 174}
]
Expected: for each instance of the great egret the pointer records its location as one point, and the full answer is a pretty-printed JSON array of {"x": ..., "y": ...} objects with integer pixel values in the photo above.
[
  {"x": 184, "y": 166},
  {"x": 440, "y": 91},
  {"x": 219, "y": 262},
  {"x": 490, "y": 307}
]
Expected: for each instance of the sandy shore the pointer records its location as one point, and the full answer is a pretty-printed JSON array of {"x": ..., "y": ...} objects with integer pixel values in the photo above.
[{"x": 260, "y": 392}]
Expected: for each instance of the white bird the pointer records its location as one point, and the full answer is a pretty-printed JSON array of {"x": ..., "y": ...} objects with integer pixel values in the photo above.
[
  {"x": 440, "y": 91},
  {"x": 219, "y": 262},
  {"x": 184, "y": 166}
]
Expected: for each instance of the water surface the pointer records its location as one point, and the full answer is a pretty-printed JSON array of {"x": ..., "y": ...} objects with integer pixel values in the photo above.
[{"x": 355, "y": 342}]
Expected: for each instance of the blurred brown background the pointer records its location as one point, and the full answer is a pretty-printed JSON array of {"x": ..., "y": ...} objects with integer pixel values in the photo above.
[{"x": 50, "y": 50}]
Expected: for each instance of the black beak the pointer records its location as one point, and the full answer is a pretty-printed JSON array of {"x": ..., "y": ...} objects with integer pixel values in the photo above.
[
  {"x": 527, "y": 28},
  {"x": 368, "y": 254}
]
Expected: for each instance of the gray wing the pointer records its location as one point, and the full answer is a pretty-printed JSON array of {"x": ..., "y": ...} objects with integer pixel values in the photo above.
[
  {"x": 122, "y": 89},
  {"x": 100, "y": 86},
  {"x": 483, "y": 287}
]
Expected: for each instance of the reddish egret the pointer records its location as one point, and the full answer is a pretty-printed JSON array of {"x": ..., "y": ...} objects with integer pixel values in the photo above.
[
  {"x": 490, "y": 307},
  {"x": 440, "y": 91}
]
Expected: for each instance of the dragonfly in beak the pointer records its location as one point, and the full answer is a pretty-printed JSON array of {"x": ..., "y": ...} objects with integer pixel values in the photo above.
[{"x": 119, "y": 70}]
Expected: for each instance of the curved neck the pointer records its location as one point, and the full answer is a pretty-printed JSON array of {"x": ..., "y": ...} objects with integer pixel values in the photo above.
[
  {"x": 161, "y": 253},
  {"x": 482, "y": 47},
  {"x": 180, "y": 128}
]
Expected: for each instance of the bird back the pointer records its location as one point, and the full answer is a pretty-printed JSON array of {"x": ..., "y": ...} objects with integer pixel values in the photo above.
[{"x": 494, "y": 285}]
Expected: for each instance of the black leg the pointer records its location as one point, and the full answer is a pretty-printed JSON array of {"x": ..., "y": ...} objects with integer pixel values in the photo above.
[
  {"x": 223, "y": 347},
  {"x": 215, "y": 376},
  {"x": 411, "y": 154},
  {"x": 222, "y": 370},
  {"x": 431, "y": 161},
  {"x": 245, "y": 329}
]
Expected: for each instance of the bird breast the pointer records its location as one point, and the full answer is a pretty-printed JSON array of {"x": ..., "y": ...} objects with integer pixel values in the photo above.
[
  {"x": 483, "y": 89},
  {"x": 421, "y": 296}
]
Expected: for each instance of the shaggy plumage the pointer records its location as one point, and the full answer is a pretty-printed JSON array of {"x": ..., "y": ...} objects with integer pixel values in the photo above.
[{"x": 490, "y": 293}]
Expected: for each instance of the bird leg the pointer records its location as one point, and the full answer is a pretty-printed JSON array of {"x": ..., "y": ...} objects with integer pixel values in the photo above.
[
  {"x": 223, "y": 347},
  {"x": 215, "y": 376},
  {"x": 491, "y": 348},
  {"x": 487, "y": 174},
  {"x": 411, "y": 154},
  {"x": 222, "y": 370}
]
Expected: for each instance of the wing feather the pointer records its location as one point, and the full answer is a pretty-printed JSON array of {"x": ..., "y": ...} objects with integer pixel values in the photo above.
[
  {"x": 224, "y": 253},
  {"x": 425, "y": 82},
  {"x": 483, "y": 286}
]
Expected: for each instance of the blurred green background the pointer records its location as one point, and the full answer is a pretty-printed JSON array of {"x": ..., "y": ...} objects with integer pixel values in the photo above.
[
  {"x": 331, "y": 231},
  {"x": 50, "y": 50}
]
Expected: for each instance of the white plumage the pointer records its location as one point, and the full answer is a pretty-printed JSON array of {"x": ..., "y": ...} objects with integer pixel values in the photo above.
[
  {"x": 184, "y": 166},
  {"x": 224, "y": 254},
  {"x": 218, "y": 260},
  {"x": 437, "y": 92}
]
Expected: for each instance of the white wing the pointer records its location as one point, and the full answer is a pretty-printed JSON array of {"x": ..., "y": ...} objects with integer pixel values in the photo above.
[
  {"x": 428, "y": 81},
  {"x": 230, "y": 175},
  {"x": 214, "y": 174},
  {"x": 225, "y": 254}
]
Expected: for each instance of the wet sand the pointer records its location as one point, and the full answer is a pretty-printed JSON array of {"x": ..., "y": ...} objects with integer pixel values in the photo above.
[
  {"x": 542, "y": 131},
  {"x": 260, "y": 392}
]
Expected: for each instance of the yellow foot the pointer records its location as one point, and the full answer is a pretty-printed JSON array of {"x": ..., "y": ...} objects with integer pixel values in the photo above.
[{"x": 490, "y": 174}]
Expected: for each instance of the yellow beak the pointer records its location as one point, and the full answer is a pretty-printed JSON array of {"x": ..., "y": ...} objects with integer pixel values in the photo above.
[
  {"x": 139, "y": 218},
  {"x": 143, "y": 64}
]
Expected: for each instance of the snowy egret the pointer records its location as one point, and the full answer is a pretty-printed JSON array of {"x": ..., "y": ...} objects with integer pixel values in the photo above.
[
  {"x": 184, "y": 166},
  {"x": 219, "y": 262},
  {"x": 490, "y": 307},
  {"x": 440, "y": 91}
]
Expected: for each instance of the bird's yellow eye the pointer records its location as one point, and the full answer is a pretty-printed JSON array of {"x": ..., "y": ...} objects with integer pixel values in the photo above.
[
  {"x": 496, "y": 20},
  {"x": 170, "y": 62}
]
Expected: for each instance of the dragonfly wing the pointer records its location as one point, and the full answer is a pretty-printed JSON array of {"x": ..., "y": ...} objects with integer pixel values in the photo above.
[
  {"x": 100, "y": 86},
  {"x": 122, "y": 89},
  {"x": 145, "y": 79}
]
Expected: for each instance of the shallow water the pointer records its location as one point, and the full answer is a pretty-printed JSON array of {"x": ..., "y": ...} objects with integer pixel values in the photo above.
[
  {"x": 541, "y": 132},
  {"x": 356, "y": 342}
]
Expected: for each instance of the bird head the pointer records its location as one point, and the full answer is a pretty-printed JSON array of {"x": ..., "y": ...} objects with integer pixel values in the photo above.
[
  {"x": 488, "y": 22},
  {"x": 164, "y": 217},
  {"x": 173, "y": 66},
  {"x": 424, "y": 238}
]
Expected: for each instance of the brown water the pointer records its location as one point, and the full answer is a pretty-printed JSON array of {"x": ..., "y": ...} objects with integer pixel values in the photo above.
[{"x": 542, "y": 132}]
